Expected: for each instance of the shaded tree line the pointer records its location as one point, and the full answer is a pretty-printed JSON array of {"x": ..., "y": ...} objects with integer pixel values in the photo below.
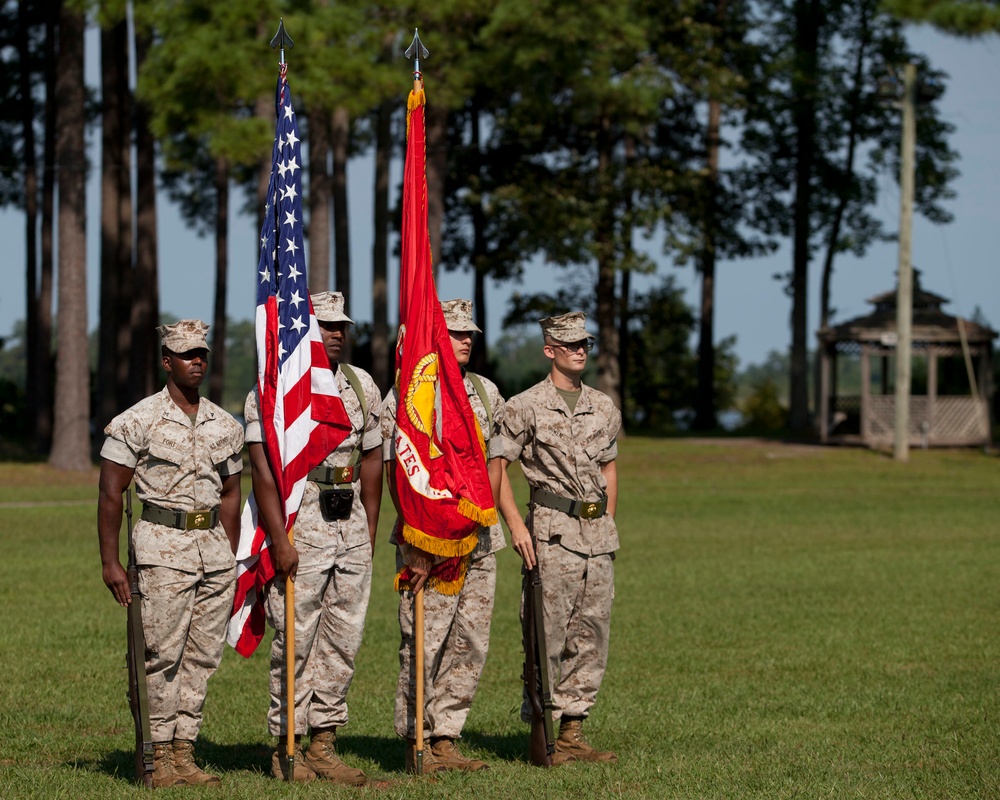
[{"x": 590, "y": 140}]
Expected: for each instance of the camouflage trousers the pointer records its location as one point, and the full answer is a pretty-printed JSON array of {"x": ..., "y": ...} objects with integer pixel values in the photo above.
[
  {"x": 330, "y": 608},
  {"x": 577, "y": 593},
  {"x": 184, "y": 618},
  {"x": 456, "y": 639}
]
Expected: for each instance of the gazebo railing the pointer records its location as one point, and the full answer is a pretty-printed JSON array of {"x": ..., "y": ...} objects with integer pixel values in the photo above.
[{"x": 945, "y": 421}]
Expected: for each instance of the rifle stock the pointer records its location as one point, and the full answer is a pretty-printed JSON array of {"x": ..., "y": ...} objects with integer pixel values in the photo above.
[
  {"x": 536, "y": 673},
  {"x": 135, "y": 661}
]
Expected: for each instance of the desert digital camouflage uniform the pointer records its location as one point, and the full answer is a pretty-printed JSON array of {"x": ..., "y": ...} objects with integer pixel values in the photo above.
[
  {"x": 456, "y": 627},
  {"x": 332, "y": 585},
  {"x": 562, "y": 452},
  {"x": 186, "y": 577}
]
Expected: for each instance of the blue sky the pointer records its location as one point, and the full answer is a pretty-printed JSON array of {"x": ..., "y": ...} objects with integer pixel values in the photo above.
[{"x": 955, "y": 260}]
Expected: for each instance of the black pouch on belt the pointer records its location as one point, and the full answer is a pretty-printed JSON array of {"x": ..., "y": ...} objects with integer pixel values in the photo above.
[{"x": 336, "y": 504}]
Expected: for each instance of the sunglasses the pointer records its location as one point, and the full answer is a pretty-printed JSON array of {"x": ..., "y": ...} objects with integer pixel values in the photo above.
[{"x": 571, "y": 347}]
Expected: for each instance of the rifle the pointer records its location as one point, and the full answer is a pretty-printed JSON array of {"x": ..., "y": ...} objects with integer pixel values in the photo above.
[
  {"x": 135, "y": 662},
  {"x": 542, "y": 743}
]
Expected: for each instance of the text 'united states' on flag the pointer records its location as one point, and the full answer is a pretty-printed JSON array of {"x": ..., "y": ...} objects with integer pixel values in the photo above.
[{"x": 301, "y": 413}]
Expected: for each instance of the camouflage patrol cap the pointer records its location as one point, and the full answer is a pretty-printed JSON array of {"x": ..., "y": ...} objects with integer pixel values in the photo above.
[
  {"x": 185, "y": 335},
  {"x": 566, "y": 327},
  {"x": 329, "y": 307},
  {"x": 458, "y": 315}
]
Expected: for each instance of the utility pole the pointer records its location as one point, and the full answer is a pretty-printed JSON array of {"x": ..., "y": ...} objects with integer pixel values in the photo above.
[{"x": 904, "y": 295}]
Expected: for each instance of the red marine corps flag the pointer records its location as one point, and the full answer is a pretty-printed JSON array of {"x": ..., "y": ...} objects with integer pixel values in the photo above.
[{"x": 442, "y": 482}]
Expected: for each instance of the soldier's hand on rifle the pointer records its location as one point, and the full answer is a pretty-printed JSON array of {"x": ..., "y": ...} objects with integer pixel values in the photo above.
[
  {"x": 116, "y": 579},
  {"x": 521, "y": 540},
  {"x": 420, "y": 563},
  {"x": 285, "y": 559}
]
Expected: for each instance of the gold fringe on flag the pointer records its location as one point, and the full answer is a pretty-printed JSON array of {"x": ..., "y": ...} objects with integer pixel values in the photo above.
[
  {"x": 447, "y": 548},
  {"x": 470, "y": 510}
]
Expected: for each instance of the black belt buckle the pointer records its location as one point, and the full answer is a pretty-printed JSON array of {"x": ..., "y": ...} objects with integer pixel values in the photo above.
[{"x": 336, "y": 504}]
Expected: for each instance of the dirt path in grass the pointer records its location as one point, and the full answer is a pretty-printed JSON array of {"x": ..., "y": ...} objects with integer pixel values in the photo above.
[{"x": 48, "y": 503}]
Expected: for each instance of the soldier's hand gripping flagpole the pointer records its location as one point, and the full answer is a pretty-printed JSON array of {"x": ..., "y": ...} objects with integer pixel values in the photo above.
[
  {"x": 280, "y": 40},
  {"x": 135, "y": 658}
]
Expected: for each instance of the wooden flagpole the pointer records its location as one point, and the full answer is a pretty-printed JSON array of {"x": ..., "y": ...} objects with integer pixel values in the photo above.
[
  {"x": 290, "y": 669},
  {"x": 418, "y": 623}
]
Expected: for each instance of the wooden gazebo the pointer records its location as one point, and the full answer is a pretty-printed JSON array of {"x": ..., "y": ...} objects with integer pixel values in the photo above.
[{"x": 947, "y": 408}]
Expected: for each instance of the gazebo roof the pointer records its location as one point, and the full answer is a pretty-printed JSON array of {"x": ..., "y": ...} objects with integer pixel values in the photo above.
[{"x": 930, "y": 323}]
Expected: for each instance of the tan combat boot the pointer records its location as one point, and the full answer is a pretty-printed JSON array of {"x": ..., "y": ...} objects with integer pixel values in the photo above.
[
  {"x": 164, "y": 773},
  {"x": 279, "y": 763},
  {"x": 322, "y": 758},
  {"x": 431, "y": 763},
  {"x": 185, "y": 767},
  {"x": 448, "y": 754},
  {"x": 571, "y": 746}
]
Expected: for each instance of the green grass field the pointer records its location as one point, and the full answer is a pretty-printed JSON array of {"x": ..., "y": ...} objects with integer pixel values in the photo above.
[{"x": 789, "y": 622}]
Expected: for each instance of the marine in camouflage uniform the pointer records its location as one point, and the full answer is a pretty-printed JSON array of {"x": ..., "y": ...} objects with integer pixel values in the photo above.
[
  {"x": 331, "y": 562},
  {"x": 564, "y": 434},
  {"x": 184, "y": 453},
  {"x": 456, "y": 627}
]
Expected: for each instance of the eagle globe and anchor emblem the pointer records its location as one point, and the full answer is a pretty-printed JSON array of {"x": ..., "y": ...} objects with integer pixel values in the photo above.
[{"x": 421, "y": 394}]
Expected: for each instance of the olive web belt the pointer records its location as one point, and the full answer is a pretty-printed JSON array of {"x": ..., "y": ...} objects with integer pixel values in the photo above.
[
  {"x": 584, "y": 509},
  {"x": 334, "y": 475},
  {"x": 202, "y": 519}
]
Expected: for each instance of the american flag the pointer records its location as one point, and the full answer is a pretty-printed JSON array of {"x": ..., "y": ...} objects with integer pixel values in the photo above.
[{"x": 301, "y": 413}]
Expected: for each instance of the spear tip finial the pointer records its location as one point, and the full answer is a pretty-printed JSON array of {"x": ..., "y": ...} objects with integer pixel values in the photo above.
[
  {"x": 416, "y": 51},
  {"x": 282, "y": 39}
]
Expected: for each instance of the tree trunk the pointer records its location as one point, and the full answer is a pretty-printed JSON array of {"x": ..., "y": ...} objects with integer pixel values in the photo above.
[
  {"x": 478, "y": 361},
  {"x": 437, "y": 172},
  {"x": 340, "y": 135},
  {"x": 145, "y": 350},
  {"x": 71, "y": 440},
  {"x": 27, "y": 105},
  {"x": 624, "y": 309},
  {"x": 608, "y": 371},
  {"x": 43, "y": 353},
  {"x": 381, "y": 367},
  {"x": 116, "y": 228},
  {"x": 704, "y": 412},
  {"x": 623, "y": 338},
  {"x": 217, "y": 374},
  {"x": 804, "y": 115},
  {"x": 608, "y": 374},
  {"x": 125, "y": 240},
  {"x": 319, "y": 201},
  {"x": 848, "y": 179}
]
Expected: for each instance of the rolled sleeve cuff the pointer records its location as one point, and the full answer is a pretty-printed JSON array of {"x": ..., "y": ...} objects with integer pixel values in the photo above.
[
  {"x": 509, "y": 449},
  {"x": 496, "y": 447},
  {"x": 119, "y": 452},
  {"x": 253, "y": 434},
  {"x": 231, "y": 466},
  {"x": 371, "y": 440}
]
